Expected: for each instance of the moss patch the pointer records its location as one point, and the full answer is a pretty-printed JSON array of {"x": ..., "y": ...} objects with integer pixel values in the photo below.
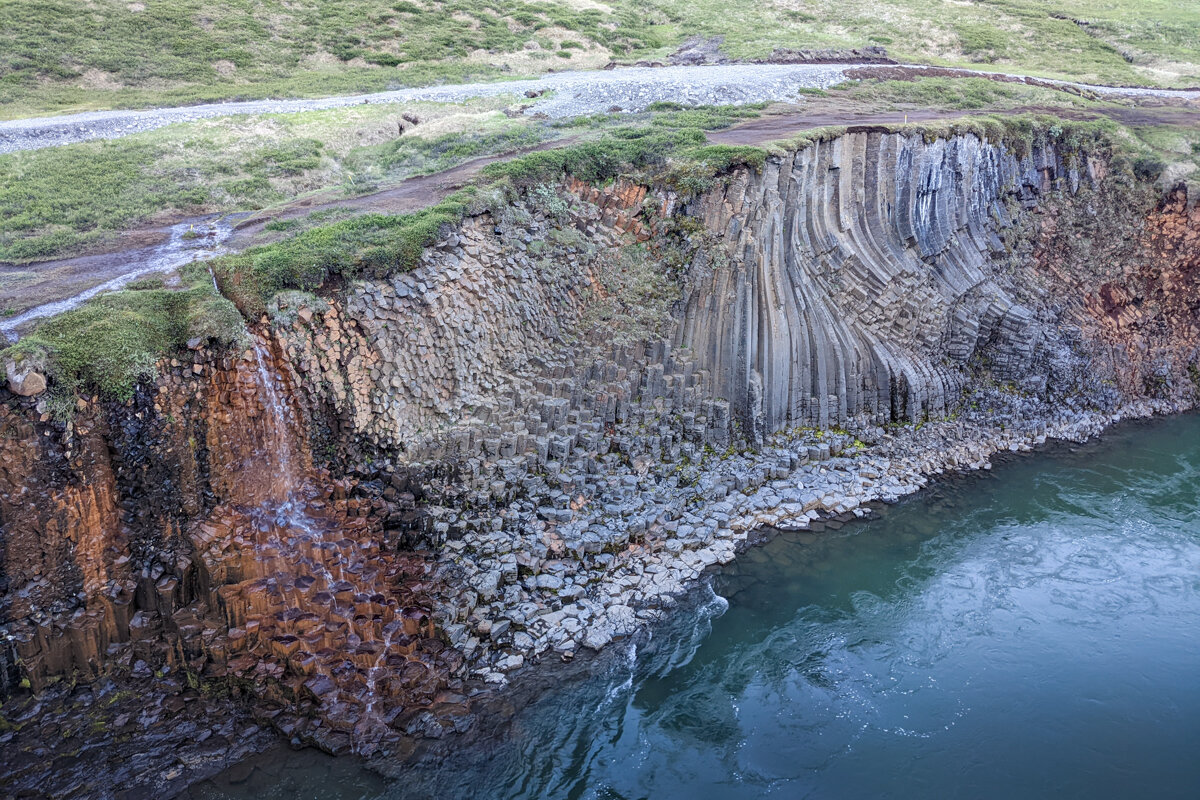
[{"x": 113, "y": 341}]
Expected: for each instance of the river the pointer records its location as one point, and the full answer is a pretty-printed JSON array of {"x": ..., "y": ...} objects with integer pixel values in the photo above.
[{"x": 1032, "y": 631}]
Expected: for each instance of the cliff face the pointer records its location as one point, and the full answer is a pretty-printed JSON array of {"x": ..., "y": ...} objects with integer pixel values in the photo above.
[
  {"x": 873, "y": 278},
  {"x": 250, "y": 516},
  {"x": 188, "y": 531},
  {"x": 860, "y": 279}
]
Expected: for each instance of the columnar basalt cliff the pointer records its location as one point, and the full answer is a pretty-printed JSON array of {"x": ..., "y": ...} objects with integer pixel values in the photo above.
[
  {"x": 188, "y": 530},
  {"x": 572, "y": 406},
  {"x": 860, "y": 282}
]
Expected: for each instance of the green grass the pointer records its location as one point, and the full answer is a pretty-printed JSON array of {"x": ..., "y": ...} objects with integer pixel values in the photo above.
[
  {"x": 61, "y": 200},
  {"x": 1167, "y": 152},
  {"x": 185, "y": 50},
  {"x": 370, "y": 245},
  {"x": 111, "y": 343},
  {"x": 964, "y": 94},
  {"x": 64, "y": 200},
  {"x": 1128, "y": 41},
  {"x": 376, "y": 245},
  {"x": 369, "y": 166},
  {"x": 618, "y": 151},
  {"x": 59, "y": 55}
]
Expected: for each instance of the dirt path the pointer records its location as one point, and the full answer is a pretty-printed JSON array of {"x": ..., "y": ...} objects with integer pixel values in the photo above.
[
  {"x": 776, "y": 127},
  {"x": 407, "y": 196},
  {"x": 40, "y": 289}
]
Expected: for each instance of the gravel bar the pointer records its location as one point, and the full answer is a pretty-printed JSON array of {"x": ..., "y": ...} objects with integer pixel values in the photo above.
[
  {"x": 570, "y": 94},
  {"x": 573, "y": 94}
]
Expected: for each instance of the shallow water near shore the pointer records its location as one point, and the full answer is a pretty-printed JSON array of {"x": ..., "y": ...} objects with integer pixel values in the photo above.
[{"x": 1033, "y": 631}]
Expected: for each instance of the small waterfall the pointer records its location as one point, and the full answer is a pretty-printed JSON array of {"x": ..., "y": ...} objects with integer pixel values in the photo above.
[
  {"x": 279, "y": 449},
  {"x": 296, "y": 562}
]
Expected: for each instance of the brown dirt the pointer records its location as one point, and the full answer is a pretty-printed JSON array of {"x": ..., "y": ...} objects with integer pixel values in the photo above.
[
  {"x": 24, "y": 286},
  {"x": 902, "y": 73},
  {"x": 407, "y": 196}
]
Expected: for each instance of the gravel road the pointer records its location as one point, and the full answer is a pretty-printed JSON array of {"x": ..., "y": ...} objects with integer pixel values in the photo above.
[{"x": 572, "y": 94}]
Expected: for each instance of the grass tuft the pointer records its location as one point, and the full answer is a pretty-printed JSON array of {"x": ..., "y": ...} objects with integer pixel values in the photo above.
[{"x": 113, "y": 342}]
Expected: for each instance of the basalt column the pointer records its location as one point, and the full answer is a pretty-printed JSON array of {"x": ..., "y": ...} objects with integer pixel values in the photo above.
[{"x": 855, "y": 281}]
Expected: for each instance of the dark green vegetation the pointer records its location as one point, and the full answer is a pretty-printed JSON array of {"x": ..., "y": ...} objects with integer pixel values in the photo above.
[
  {"x": 57, "y": 54},
  {"x": 375, "y": 245},
  {"x": 112, "y": 342},
  {"x": 371, "y": 245},
  {"x": 61, "y": 54},
  {"x": 65, "y": 200}
]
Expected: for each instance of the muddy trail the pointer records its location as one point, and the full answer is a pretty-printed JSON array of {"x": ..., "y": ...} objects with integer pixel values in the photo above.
[
  {"x": 407, "y": 196},
  {"x": 42, "y": 289},
  {"x": 37, "y": 290}
]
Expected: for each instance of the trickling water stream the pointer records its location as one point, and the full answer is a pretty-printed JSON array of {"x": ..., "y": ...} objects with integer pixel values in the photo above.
[
  {"x": 1029, "y": 632},
  {"x": 190, "y": 240},
  {"x": 305, "y": 584}
]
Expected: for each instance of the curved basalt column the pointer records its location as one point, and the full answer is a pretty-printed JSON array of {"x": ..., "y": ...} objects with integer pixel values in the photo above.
[{"x": 856, "y": 280}]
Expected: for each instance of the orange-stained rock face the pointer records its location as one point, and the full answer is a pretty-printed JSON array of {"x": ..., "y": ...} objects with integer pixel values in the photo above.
[
  {"x": 1150, "y": 315},
  {"x": 62, "y": 543},
  {"x": 256, "y": 440},
  {"x": 314, "y": 600},
  {"x": 190, "y": 529}
]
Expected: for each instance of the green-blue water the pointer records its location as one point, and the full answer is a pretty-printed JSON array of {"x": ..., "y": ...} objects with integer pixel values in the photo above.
[{"x": 1029, "y": 632}]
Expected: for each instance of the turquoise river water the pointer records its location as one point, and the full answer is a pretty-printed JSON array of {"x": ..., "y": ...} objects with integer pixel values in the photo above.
[{"x": 1033, "y": 631}]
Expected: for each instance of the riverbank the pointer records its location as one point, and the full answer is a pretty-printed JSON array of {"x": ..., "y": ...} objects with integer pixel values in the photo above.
[
  {"x": 990, "y": 637},
  {"x": 605, "y": 602},
  {"x": 560, "y": 95},
  {"x": 517, "y": 717},
  {"x": 537, "y": 595}
]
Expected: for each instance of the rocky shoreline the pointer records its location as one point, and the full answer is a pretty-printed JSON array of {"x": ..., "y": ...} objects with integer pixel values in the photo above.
[
  {"x": 578, "y": 594},
  {"x": 159, "y": 735}
]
